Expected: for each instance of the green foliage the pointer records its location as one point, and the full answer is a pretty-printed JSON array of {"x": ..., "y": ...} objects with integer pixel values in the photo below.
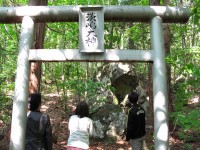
[
  {"x": 187, "y": 75},
  {"x": 8, "y": 58},
  {"x": 195, "y": 12},
  {"x": 187, "y": 147},
  {"x": 61, "y": 35},
  {"x": 13, "y": 2},
  {"x": 186, "y": 79},
  {"x": 5, "y": 105},
  {"x": 188, "y": 119},
  {"x": 70, "y": 78},
  {"x": 184, "y": 61}
]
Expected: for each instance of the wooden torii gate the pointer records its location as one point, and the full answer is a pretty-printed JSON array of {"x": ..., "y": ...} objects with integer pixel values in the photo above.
[{"x": 155, "y": 15}]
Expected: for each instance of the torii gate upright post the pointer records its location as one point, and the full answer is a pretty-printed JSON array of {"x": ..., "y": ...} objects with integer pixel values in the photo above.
[
  {"x": 18, "y": 132},
  {"x": 160, "y": 93}
]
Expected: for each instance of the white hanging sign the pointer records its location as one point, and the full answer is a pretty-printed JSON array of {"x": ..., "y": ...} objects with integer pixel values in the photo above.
[{"x": 91, "y": 29}]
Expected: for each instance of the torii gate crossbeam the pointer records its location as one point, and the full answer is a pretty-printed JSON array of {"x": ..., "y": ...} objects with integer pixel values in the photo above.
[
  {"x": 154, "y": 15},
  {"x": 111, "y": 13}
]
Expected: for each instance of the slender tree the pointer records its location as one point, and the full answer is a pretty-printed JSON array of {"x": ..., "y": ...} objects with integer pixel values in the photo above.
[
  {"x": 167, "y": 39},
  {"x": 35, "y": 71}
]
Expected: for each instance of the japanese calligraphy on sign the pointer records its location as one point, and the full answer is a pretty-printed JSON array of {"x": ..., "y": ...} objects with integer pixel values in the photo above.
[{"x": 91, "y": 29}]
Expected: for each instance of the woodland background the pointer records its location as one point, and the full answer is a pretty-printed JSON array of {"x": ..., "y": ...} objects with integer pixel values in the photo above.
[{"x": 182, "y": 44}]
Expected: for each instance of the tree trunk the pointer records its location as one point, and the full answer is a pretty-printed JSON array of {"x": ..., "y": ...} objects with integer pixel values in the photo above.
[
  {"x": 167, "y": 49},
  {"x": 150, "y": 120},
  {"x": 35, "y": 71},
  {"x": 167, "y": 39},
  {"x": 154, "y": 2}
]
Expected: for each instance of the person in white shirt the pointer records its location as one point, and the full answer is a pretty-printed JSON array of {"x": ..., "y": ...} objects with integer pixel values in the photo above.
[{"x": 80, "y": 127}]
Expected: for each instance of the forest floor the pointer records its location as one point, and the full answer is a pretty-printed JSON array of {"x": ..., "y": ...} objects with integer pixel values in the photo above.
[
  {"x": 59, "y": 119},
  {"x": 53, "y": 106}
]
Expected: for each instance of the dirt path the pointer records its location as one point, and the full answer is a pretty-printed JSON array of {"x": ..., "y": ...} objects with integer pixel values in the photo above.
[{"x": 59, "y": 119}]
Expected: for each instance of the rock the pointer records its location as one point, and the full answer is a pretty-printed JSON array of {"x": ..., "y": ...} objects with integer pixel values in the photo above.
[
  {"x": 98, "y": 130},
  {"x": 142, "y": 100},
  {"x": 117, "y": 125},
  {"x": 109, "y": 121},
  {"x": 121, "y": 76}
]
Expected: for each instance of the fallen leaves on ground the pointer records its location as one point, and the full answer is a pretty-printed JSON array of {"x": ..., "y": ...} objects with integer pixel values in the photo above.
[{"x": 59, "y": 120}]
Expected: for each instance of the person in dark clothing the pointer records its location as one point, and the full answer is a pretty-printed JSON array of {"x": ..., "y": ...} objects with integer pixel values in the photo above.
[
  {"x": 135, "y": 132},
  {"x": 38, "y": 127}
]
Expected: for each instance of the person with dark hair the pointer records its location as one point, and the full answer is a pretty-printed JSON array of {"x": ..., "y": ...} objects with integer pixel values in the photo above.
[
  {"x": 135, "y": 132},
  {"x": 80, "y": 127},
  {"x": 38, "y": 126}
]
